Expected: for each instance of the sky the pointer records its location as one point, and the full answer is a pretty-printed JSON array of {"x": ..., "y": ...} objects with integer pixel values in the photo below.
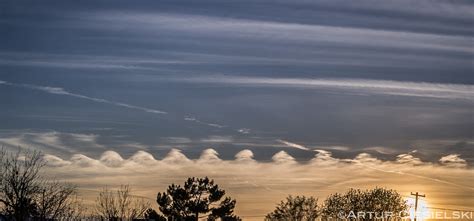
[{"x": 314, "y": 89}]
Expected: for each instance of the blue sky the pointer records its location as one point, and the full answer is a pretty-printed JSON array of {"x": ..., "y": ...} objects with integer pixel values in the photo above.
[{"x": 341, "y": 76}]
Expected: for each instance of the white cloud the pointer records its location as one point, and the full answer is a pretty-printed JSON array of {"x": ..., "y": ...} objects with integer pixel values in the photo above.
[
  {"x": 382, "y": 150},
  {"x": 209, "y": 156},
  {"x": 55, "y": 161},
  {"x": 386, "y": 87},
  {"x": 53, "y": 142},
  {"x": 111, "y": 159},
  {"x": 217, "y": 139},
  {"x": 244, "y": 130},
  {"x": 453, "y": 160},
  {"x": 341, "y": 148},
  {"x": 244, "y": 156},
  {"x": 84, "y": 161},
  {"x": 177, "y": 140},
  {"x": 142, "y": 157},
  {"x": 324, "y": 157},
  {"x": 366, "y": 158},
  {"x": 294, "y": 32},
  {"x": 283, "y": 157},
  {"x": 176, "y": 156},
  {"x": 408, "y": 159}
]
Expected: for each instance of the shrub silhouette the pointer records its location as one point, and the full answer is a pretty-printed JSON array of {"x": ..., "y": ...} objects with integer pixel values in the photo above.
[
  {"x": 120, "y": 204},
  {"x": 299, "y": 208}
]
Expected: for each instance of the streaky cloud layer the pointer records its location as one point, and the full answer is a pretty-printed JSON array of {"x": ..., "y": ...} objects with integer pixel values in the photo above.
[{"x": 384, "y": 87}]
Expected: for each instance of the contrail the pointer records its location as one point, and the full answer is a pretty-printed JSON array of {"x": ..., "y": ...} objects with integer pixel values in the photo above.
[
  {"x": 193, "y": 119},
  {"x": 61, "y": 91},
  {"x": 294, "y": 145}
]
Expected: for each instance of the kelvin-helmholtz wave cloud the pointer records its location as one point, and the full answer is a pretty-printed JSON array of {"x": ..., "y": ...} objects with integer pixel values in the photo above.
[{"x": 317, "y": 177}]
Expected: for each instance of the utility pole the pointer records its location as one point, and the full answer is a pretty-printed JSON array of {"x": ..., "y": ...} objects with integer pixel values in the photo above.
[{"x": 416, "y": 201}]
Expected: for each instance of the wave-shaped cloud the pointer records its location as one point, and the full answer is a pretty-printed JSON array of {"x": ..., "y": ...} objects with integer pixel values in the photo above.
[
  {"x": 244, "y": 178},
  {"x": 211, "y": 156}
]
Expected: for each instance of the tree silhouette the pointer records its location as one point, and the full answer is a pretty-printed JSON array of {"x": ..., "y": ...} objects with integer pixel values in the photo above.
[
  {"x": 198, "y": 198},
  {"x": 120, "y": 204},
  {"x": 379, "y": 201},
  {"x": 151, "y": 214},
  {"x": 54, "y": 200},
  {"x": 299, "y": 208},
  {"x": 20, "y": 183},
  {"x": 25, "y": 193}
]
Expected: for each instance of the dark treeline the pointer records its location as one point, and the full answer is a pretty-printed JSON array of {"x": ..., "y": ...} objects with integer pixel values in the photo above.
[{"x": 27, "y": 195}]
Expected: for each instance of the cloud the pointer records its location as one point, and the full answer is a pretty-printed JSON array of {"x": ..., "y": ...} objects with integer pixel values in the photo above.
[
  {"x": 217, "y": 139},
  {"x": 53, "y": 142},
  {"x": 341, "y": 148},
  {"x": 176, "y": 156},
  {"x": 453, "y": 160},
  {"x": 244, "y": 178},
  {"x": 257, "y": 30},
  {"x": 382, "y": 150},
  {"x": 283, "y": 157},
  {"x": 177, "y": 140},
  {"x": 55, "y": 161},
  {"x": 244, "y": 130},
  {"x": 408, "y": 159},
  {"x": 71, "y": 61},
  {"x": 111, "y": 159},
  {"x": 324, "y": 157},
  {"x": 61, "y": 91},
  {"x": 244, "y": 156},
  {"x": 209, "y": 156},
  {"x": 294, "y": 145},
  {"x": 365, "y": 158},
  {"x": 386, "y": 87},
  {"x": 142, "y": 157},
  {"x": 83, "y": 161}
]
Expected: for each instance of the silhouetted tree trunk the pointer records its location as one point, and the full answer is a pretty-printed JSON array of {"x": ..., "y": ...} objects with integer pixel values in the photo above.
[{"x": 20, "y": 182}]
